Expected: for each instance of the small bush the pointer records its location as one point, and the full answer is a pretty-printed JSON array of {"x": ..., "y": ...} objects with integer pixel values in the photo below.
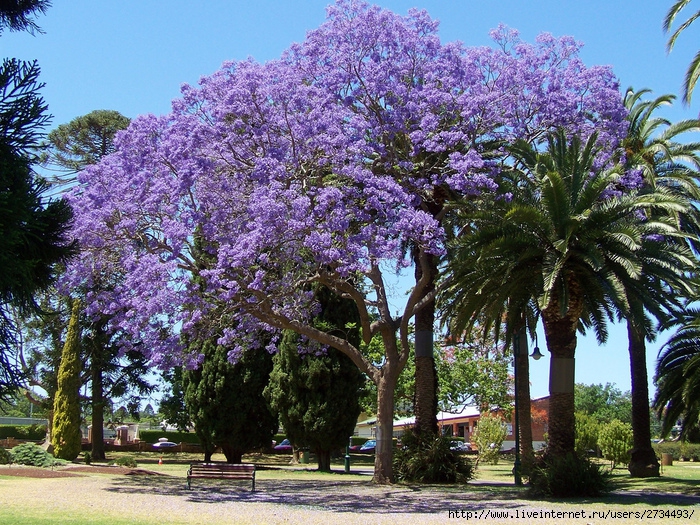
[
  {"x": 87, "y": 458},
  {"x": 33, "y": 455},
  {"x": 587, "y": 428},
  {"x": 152, "y": 436},
  {"x": 428, "y": 459},
  {"x": 615, "y": 442},
  {"x": 569, "y": 476},
  {"x": 489, "y": 437},
  {"x": 5, "y": 457},
  {"x": 125, "y": 461}
]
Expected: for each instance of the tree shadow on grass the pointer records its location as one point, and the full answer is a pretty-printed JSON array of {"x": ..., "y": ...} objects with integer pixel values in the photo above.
[
  {"x": 352, "y": 496},
  {"x": 330, "y": 495},
  {"x": 659, "y": 487}
]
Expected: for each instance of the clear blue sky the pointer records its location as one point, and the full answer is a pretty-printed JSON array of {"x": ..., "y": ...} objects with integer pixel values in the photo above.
[{"x": 133, "y": 55}]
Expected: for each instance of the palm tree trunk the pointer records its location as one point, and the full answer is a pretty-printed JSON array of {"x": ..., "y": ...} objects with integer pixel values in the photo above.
[
  {"x": 522, "y": 392},
  {"x": 643, "y": 463},
  {"x": 560, "y": 333}
]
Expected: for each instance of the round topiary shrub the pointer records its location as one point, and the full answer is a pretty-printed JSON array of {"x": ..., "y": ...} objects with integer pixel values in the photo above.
[
  {"x": 568, "y": 476},
  {"x": 429, "y": 459},
  {"x": 5, "y": 457},
  {"x": 33, "y": 455}
]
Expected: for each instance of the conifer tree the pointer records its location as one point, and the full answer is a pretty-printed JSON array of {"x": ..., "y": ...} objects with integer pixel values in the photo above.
[
  {"x": 225, "y": 401},
  {"x": 66, "y": 436},
  {"x": 317, "y": 391}
]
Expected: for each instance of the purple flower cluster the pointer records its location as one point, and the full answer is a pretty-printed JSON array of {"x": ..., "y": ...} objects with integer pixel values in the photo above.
[{"x": 312, "y": 169}]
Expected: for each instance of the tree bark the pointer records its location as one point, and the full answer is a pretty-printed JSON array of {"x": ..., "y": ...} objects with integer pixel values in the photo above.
[
  {"x": 383, "y": 469},
  {"x": 561, "y": 342},
  {"x": 522, "y": 392},
  {"x": 425, "y": 406},
  {"x": 323, "y": 457},
  {"x": 643, "y": 463},
  {"x": 98, "y": 418},
  {"x": 233, "y": 455}
]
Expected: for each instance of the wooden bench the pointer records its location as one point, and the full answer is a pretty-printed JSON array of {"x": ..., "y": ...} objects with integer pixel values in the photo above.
[{"x": 220, "y": 470}]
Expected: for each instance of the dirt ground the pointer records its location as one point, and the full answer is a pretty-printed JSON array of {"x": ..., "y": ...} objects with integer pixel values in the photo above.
[
  {"x": 141, "y": 496},
  {"x": 70, "y": 471}
]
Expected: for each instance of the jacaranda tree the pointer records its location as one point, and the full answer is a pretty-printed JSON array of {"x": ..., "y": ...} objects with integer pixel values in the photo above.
[{"x": 317, "y": 169}]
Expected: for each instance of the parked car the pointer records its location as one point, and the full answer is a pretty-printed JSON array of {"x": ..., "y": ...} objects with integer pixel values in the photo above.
[
  {"x": 460, "y": 446},
  {"x": 285, "y": 446},
  {"x": 369, "y": 446},
  {"x": 164, "y": 444}
]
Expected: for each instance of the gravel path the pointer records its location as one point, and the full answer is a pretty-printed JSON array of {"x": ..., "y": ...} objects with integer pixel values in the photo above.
[{"x": 164, "y": 499}]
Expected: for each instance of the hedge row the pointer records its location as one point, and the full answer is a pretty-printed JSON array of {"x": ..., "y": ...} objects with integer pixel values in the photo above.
[
  {"x": 678, "y": 450},
  {"x": 28, "y": 432},
  {"x": 152, "y": 436}
]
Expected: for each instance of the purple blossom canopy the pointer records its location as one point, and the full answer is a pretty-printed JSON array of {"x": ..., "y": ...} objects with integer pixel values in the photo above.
[{"x": 266, "y": 178}]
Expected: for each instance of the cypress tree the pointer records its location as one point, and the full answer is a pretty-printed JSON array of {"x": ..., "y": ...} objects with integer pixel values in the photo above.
[
  {"x": 66, "y": 435},
  {"x": 316, "y": 392},
  {"x": 225, "y": 401}
]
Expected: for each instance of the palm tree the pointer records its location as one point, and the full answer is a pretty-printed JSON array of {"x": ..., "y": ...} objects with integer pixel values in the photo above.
[
  {"x": 556, "y": 235},
  {"x": 678, "y": 377},
  {"x": 693, "y": 73},
  {"x": 652, "y": 149}
]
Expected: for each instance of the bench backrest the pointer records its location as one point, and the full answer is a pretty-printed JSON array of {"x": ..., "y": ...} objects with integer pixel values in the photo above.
[{"x": 223, "y": 468}]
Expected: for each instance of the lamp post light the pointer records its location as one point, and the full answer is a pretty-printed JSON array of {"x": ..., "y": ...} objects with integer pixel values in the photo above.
[{"x": 521, "y": 335}]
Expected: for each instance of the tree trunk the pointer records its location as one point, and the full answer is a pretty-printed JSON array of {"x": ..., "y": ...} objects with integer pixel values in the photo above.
[
  {"x": 98, "y": 416},
  {"x": 522, "y": 392},
  {"x": 561, "y": 342},
  {"x": 233, "y": 455},
  {"x": 425, "y": 406},
  {"x": 383, "y": 470},
  {"x": 643, "y": 463},
  {"x": 323, "y": 457}
]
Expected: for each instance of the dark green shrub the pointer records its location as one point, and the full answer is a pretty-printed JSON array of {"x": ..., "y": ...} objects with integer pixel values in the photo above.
[
  {"x": 678, "y": 450},
  {"x": 357, "y": 440},
  {"x": 569, "y": 476},
  {"x": 88, "y": 458},
  {"x": 152, "y": 436},
  {"x": 125, "y": 461},
  {"x": 428, "y": 459},
  {"x": 5, "y": 457},
  {"x": 33, "y": 455},
  {"x": 28, "y": 432}
]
